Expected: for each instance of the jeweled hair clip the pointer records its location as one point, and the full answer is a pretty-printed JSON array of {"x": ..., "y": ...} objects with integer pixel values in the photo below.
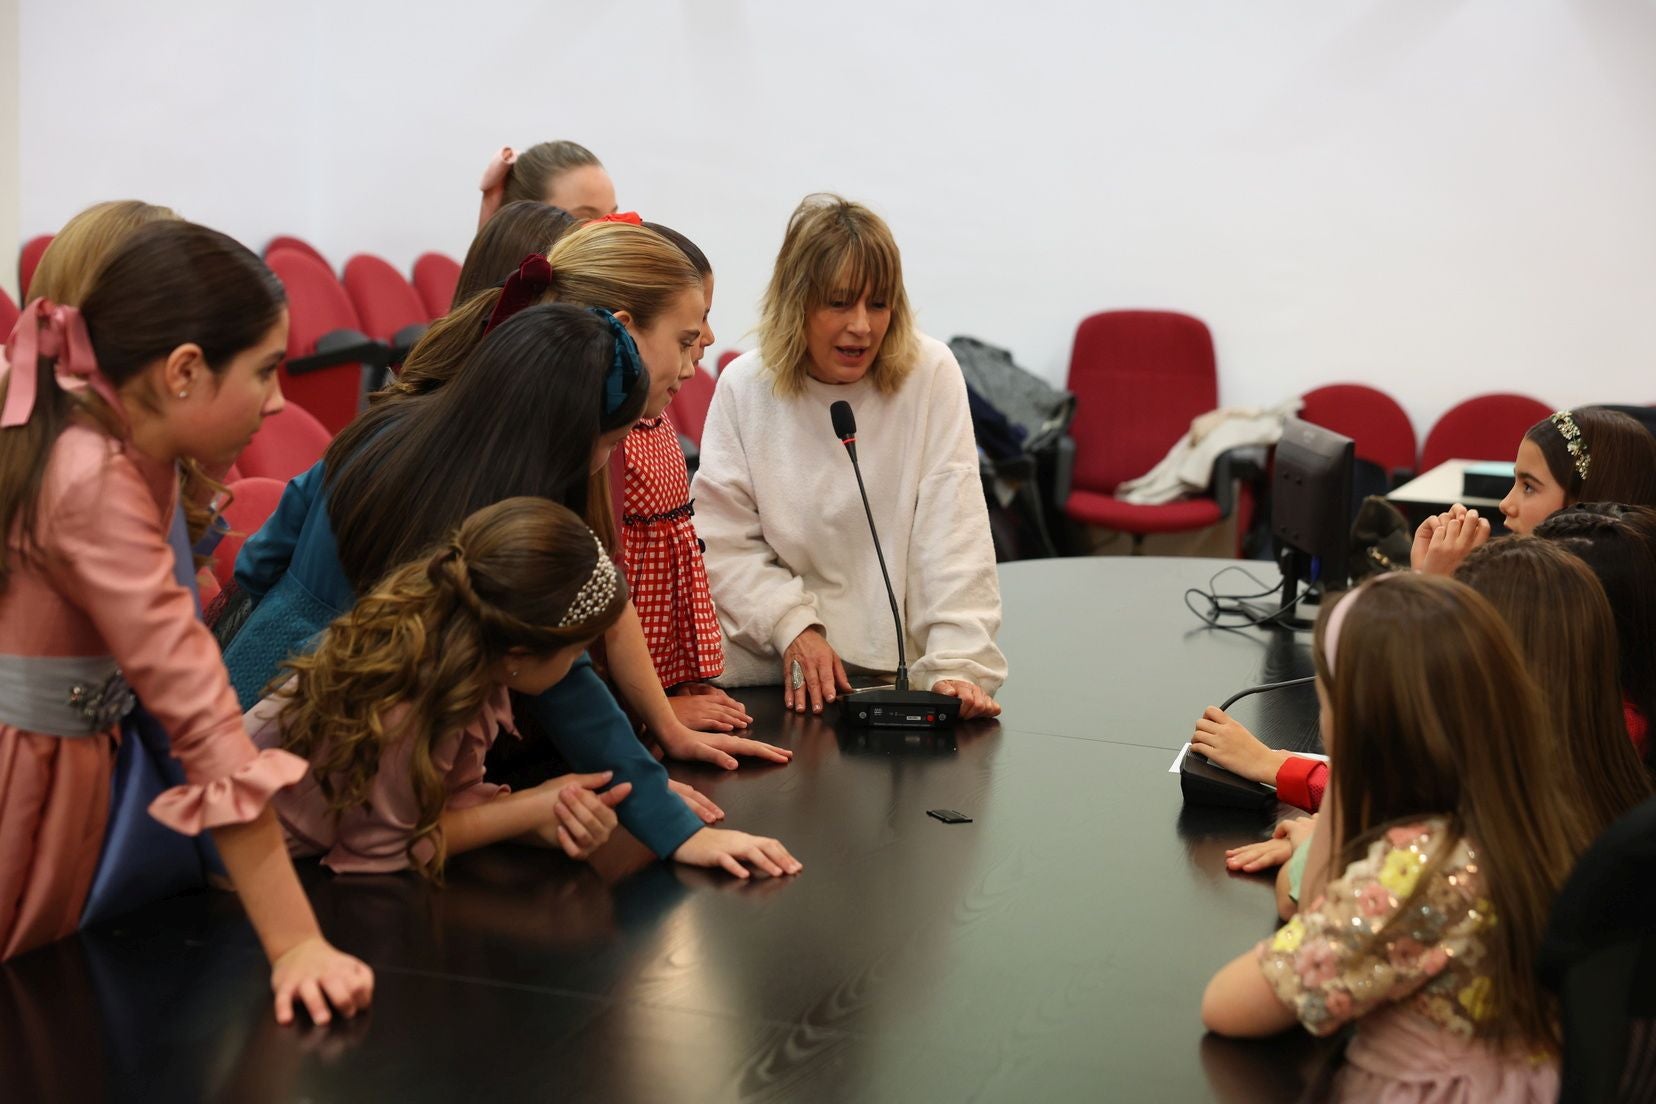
[{"x": 1565, "y": 421}]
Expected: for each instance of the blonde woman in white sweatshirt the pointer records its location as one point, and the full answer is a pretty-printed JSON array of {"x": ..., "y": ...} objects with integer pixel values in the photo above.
[{"x": 789, "y": 559}]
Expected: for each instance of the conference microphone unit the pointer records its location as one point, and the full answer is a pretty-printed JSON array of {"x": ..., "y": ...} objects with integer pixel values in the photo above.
[
  {"x": 1204, "y": 782},
  {"x": 896, "y": 706}
]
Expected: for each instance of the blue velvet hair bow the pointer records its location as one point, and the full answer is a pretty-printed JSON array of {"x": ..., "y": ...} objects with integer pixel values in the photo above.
[{"x": 624, "y": 369}]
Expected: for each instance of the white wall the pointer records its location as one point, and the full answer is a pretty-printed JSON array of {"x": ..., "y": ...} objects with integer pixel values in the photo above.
[
  {"x": 10, "y": 180},
  {"x": 1440, "y": 196}
]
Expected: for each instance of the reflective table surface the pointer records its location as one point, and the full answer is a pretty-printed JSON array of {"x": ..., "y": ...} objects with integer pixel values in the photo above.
[{"x": 1054, "y": 948}]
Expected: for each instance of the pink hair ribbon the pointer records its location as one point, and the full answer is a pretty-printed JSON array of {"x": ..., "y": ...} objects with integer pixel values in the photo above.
[{"x": 46, "y": 329}]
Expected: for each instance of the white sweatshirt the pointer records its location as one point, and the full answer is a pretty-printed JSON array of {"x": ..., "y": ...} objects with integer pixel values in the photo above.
[{"x": 788, "y": 546}]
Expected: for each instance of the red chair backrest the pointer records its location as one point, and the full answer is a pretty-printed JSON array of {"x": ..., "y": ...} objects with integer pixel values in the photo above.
[
  {"x": 1139, "y": 378},
  {"x": 317, "y": 305},
  {"x": 28, "y": 259},
  {"x": 1371, "y": 418},
  {"x": 689, "y": 409},
  {"x": 295, "y": 245},
  {"x": 1487, "y": 427},
  {"x": 252, "y": 502},
  {"x": 384, "y": 301},
  {"x": 286, "y": 444},
  {"x": 8, "y": 313},
  {"x": 435, "y": 278},
  {"x": 726, "y": 357}
]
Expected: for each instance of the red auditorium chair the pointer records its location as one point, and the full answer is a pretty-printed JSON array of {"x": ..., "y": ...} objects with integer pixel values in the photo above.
[
  {"x": 329, "y": 358},
  {"x": 295, "y": 245},
  {"x": 252, "y": 502},
  {"x": 286, "y": 444},
  {"x": 8, "y": 313},
  {"x": 1384, "y": 436},
  {"x": 435, "y": 278},
  {"x": 1139, "y": 378},
  {"x": 689, "y": 409},
  {"x": 386, "y": 303},
  {"x": 1487, "y": 427},
  {"x": 28, "y": 259}
]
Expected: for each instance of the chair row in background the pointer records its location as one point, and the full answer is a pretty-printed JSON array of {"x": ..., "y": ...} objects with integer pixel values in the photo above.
[{"x": 1141, "y": 377}]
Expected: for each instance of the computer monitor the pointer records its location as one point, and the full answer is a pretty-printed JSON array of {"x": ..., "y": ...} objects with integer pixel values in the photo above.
[{"x": 1311, "y": 509}]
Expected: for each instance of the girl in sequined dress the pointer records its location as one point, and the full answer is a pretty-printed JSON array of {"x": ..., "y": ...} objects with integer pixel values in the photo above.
[{"x": 1429, "y": 881}]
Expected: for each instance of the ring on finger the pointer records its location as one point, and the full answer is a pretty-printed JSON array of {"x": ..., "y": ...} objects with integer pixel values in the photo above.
[{"x": 796, "y": 677}]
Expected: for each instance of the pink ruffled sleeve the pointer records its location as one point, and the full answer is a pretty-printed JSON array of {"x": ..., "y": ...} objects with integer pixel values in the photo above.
[{"x": 106, "y": 545}]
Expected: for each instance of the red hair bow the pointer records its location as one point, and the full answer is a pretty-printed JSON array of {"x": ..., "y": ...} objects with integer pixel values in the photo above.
[
  {"x": 631, "y": 218},
  {"x": 46, "y": 329},
  {"x": 521, "y": 289}
]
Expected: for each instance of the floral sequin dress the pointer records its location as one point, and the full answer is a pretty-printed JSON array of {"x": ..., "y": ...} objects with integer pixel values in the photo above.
[
  {"x": 663, "y": 558},
  {"x": 1419, "y": 988}
]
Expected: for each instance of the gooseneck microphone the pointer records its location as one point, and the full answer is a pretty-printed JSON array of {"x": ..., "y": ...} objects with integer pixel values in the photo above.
[{"x": 898, "y": 707}]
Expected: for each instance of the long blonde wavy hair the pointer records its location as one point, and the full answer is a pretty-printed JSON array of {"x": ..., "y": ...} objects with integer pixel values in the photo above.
[
  {"x": 834, "y": 249},
  {"x": 428, "y": 638}
]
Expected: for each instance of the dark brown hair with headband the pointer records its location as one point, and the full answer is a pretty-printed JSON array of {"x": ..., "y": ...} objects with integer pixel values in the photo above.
[
  {"x": 170, "y": 284},
  {"x": 1433, "y": 715},
  {"x": 1598, "y": 455}
]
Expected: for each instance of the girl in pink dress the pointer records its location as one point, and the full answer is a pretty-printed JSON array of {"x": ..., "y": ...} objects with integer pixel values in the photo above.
[
  {"x": 174, "y": 358},
  {"x": 398, "y": 705},
  {"x": 1429, "y": 879}
]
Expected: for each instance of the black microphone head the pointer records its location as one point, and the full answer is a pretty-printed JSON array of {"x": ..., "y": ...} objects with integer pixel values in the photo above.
[{"x": 845, "y": 422}]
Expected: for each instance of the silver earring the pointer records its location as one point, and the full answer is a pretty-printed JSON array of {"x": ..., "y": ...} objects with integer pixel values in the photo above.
[
  {"x": 183, "y": 394},
  {"x": 513, "y": 674}
]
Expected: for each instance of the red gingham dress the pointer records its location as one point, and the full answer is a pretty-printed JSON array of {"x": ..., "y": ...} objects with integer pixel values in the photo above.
[{"x": 663, "y": 558}]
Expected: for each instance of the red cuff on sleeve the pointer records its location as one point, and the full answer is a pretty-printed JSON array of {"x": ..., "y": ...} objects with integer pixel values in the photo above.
[{"x": 1301, "y": 782}]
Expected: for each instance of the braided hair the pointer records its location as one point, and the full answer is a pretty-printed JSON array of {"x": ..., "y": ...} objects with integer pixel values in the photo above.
[{"x": 524, "y": 573}]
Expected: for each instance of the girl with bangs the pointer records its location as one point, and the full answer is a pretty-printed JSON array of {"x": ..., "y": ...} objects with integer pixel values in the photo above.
[
  {"x": 1431, "y": 876},
  {"x": 794, "y": 575}
]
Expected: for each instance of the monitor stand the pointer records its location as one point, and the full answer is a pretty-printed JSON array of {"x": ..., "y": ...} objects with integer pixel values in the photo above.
[{"x": 1287, "y": 602}]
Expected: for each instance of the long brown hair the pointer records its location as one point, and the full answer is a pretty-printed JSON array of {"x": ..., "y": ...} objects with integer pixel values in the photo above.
[
  {"x": 1433, "y": 715},
  {"x": 517, "y": 230},
  {"x": 614, "y": 265},
  {"x": 1562, "y": 624},
  {"x": 426, "y": 638},
  {"x": 1619, "y": 544},
  {"x": 834, "y": 249},
  {"x": 522, "y": 418},
  {"x": 170, "y": 283},
  {"x": 65, "y": 275},
  {"x": 1621, "y": 464}
]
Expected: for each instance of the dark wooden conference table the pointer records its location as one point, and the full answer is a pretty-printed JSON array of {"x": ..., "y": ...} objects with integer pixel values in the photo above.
[{"x": 1055, "y": 948}]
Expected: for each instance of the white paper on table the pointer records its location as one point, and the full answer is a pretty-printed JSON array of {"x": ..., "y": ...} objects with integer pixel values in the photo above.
[{"x": 1179, "y": 758}]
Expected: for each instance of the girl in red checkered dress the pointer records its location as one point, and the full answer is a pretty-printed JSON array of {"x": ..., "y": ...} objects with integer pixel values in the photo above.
[{"x": 662, "y": 555}]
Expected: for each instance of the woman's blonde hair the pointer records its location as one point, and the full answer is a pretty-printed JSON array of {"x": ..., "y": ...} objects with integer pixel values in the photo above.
[
  {"x": 71, "y": 263},
  {"x": 834, "y": 250},
  {"x": 1433, "y": 714},
  {"x": 426, "y": 637}
]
